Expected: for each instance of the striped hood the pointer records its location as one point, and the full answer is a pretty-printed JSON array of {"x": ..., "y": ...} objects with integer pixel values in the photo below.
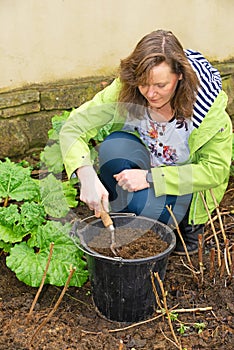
[{"x": 210, "y": 85}]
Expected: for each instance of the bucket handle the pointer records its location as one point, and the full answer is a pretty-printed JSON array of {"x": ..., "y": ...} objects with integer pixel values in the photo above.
[{"x": 112, "y": 215}]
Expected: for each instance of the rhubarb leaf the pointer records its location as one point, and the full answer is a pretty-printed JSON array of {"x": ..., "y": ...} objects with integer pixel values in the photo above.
[
  {"x": 29, "y": 266},
  {"x": 70, "y": 192},
  {"x": 18, "y": 222},
  {"x": 12, "y": 234},
  {"x": 32, "y": 215},
  {"x": 53, "y": 197},
  {"x": 5, "y": 246},
  {"x": 52, "y": 158},
  {"x": 57, "y": 123},
  {"x": 16, "y": 182},
  {"x": 9, "y": 216}
]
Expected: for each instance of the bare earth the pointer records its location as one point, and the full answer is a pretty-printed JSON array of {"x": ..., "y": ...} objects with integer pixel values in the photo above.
[{"x": 77, "y": 325}]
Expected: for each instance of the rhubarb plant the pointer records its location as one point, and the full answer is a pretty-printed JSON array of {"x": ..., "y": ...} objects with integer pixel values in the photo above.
[
  {"x": 29, "y": 214},
  {"x": 51, "y": 156}
]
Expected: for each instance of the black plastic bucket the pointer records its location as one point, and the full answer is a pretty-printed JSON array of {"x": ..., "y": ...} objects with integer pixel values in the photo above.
[{"x": 122, "y": 288}]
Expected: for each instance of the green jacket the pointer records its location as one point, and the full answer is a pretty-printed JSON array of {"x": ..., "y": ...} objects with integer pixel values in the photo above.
[{"x": 210, "y": 149}]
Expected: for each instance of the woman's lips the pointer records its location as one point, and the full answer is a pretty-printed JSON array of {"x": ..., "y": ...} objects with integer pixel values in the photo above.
[{"x": 154, "y": 101}]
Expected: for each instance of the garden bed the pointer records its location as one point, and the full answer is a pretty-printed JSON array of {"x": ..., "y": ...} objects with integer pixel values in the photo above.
[{"x": 202, "y": 319}]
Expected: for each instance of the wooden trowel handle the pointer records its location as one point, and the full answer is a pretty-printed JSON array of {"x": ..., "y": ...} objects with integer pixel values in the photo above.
[{"x": 106, "y": 219}]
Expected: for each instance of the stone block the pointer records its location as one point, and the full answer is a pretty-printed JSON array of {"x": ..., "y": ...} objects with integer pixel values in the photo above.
[
  {"x": 38, "y": 126},
  {"x": 19, "y": 135},
  {"x": 228, "y": 87},
  {"x": 20, "y": 110},
  {"x": 13, "y": 139},
  {"x": 225, "y": 68},
  {"x": 69, "y": 96},
  {"x": 17, "y": 98}
]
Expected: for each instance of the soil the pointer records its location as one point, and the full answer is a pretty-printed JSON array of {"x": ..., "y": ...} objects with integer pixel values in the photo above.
[
  {"x": 130, "y": 244},
  {"x": 76, "y": 324}
]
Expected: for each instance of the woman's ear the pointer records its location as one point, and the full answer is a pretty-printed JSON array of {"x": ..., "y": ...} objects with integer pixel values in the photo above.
[{"x": 180, "y": 76}]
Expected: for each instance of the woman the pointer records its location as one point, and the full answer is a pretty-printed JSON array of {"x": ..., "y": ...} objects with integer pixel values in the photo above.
[{"x": 167, "y": 137}]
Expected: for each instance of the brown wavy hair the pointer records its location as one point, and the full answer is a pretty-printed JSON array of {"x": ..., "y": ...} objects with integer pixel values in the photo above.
[{"x": 153, "y": 49}]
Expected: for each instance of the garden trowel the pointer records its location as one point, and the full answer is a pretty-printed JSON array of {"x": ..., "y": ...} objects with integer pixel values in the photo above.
[{"x": 108, "y": 223}]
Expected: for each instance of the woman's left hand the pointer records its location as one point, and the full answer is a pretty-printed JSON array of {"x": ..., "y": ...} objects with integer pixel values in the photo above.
[{"x": 132, "y": 180}]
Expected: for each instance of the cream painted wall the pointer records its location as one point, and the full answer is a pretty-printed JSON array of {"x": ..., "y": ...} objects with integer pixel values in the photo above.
[{"x": 47, "y": 40}]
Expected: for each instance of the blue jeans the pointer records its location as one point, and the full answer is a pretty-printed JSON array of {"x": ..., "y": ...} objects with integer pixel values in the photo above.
[{"x": 121, "y": 150}]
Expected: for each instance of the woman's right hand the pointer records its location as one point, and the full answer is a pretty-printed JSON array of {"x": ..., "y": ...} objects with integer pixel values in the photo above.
[{"x": 92, "y": 191}]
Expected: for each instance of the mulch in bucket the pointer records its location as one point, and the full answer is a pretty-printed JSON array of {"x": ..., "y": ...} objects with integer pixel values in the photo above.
[
  {"x": 122, "y": 288},
  {"x": 130, "y": 243}
]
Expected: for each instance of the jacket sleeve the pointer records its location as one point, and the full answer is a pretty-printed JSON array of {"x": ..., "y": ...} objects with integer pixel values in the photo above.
[
  {"x": 84, "y": 123},
  {"x": 211, "y": 151}
]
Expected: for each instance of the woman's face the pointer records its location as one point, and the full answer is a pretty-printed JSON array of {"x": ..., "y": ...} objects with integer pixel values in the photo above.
[{"x": 160, "y": 87}]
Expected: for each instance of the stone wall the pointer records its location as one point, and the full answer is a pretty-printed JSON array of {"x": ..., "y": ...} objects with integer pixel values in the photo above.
[{"x": 25, "y": 114}]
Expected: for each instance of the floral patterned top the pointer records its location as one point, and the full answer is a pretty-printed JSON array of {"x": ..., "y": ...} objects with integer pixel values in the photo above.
[{"x": 167, "y": 141}]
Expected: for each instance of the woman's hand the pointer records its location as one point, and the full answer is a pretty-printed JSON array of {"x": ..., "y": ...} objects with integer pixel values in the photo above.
[
  {"x": 92, "y": 191},
  {"x": 132, "y": 179}
]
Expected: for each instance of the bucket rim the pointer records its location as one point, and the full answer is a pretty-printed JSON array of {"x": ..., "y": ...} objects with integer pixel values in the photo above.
[{"x": 87, "y": 250}]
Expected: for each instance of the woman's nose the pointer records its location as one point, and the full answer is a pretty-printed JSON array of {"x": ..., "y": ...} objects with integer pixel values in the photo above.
[{"x": 151, "y": 91}]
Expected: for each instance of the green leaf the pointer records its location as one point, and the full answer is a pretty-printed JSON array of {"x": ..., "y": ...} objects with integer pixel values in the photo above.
[
  {"x": 182, "y": 329},
  {"x": 10, "y": 230},
  {"x": 53, "y": 198},
  {"x": 16, "y": 182},
  {"x": 173, "y": 316},
  {"x": 12, "y": 234},
  {"x": 57, "y": 123},
  {"x": 16, "y": 223},
  {"x": 200, "y": 327},
  {"x": 52, "y": 158},
  {"x": 29, "y": 266},
  {"x": 232, "y": 162},
  {"x": 32, "y": 214},
  {"x": 70, "y": 193},
  {"x": 103, "y": 132},
  {"x": 5, "y": 246},
  {"x": 9, "y": 215}
]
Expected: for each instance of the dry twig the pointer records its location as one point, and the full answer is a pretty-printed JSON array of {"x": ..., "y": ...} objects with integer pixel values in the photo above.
[
  {"x": 120, "y": 344},
  {"x": 160, "y": 312},
  {"x": 218, "y": 214},
  {"x": 42, "y": 281},
  {"x": 222, "y": 267},
  {"x": 177, "y": 343},
  {"x": 127, "y": 327},
  {"x": 226, "y": 255},
  {"x": 213, "y": 229},
  {"x": 215, "y": 217},
  {"x": 200, "y": 256},
  {"x": 192, "y": 269},
  {"x": 158, "y": 301},
  {"x": 212, "y": 262},
  {"x": 195, "y": 309},
  {"x": 72, "y": 270},
  {"x": 232, "y": 266},
  {"x": 167, "y": 338}
]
